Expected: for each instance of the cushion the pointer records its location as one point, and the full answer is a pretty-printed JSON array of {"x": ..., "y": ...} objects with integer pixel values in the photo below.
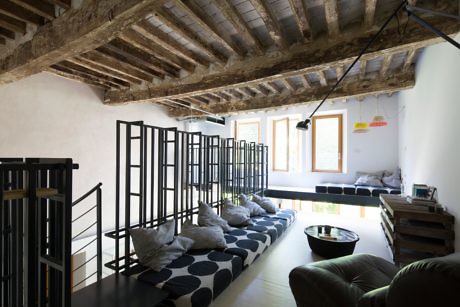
[
  {"x": 235, "y": 215},
  {"x": 393, "y": 180},
  {"x": 204, "y": 237},
  {"x": 378, "y": 174},
  {"x": 247, "y": 244},
  {"x": 265, "y": 203},
  {"x": 147, "y": 241},
  {"x": 271, "y": 226},
  {"x": 288, "y": 215},
  {"x": 369, "y": 180},
  {"x": 254, "y": 209},
  {"x": 168, "y": 252},
  {"x": 207, "y": 217}
]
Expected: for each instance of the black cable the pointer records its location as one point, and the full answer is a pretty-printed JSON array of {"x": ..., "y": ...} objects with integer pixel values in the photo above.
[{"x": 372, "y": 40}]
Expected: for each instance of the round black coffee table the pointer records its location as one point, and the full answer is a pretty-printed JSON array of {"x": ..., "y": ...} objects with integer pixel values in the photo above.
[{"x": 340, "y": 241}]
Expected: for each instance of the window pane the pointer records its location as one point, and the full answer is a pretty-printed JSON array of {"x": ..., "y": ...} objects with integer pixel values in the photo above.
[
  {"x": 280, "y": 144},
  {"x": 248, "y": 132},
  {"x": 327, "y": 144}
]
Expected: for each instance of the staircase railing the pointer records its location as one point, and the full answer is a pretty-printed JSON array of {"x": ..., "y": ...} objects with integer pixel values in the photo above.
[{"x": 97, "y": 210}]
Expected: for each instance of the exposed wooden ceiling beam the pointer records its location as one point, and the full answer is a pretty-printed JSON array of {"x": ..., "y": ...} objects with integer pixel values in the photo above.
[
  {"x": 272, "y": 87},
  {"x": 339, "y": 71},
  {"x": 65, "y": 4},
  {"x": 12, "y": 24},
  {"x": 369, "y": 12},
  {"x": 70, "y": 74},
  {"x": 300, "y": 15},
  {"x": 255, "y": 88},
  {"x": 145, "y": 58},
  {"x": 305, "y": 82},
  {"x": 178, "y": 26},
  {"x": 409, "y": 59},
  {"x": 350, "y": 88},
  {"x": 242, "y": 92},
  {"x": 303, "y": 61},
  {"x": 271, "y": 22},
  {"x": 7, "y": 33},
  {"x": 70, "y": 68},
  {"x": 385, "y": 64},
  {"x": 150, "y": 31},
  {"x": 231, "y": 13},
  {"x": 322, "y": 78},
  {"x": 261, "y": 87},
  {"x": 332, "y": 17},
  {"x": 75, "y": 31},
  {"x": 362, "y": 68},
  {"x": 40, "y": 8},
  {"x": 15, "y": 11},
  {"x": 207, "y": 24},
  {"x": 138, "y": 40},
  {"x": 289, "y": 84}
]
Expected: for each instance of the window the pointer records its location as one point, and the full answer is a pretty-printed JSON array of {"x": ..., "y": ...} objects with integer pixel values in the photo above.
[
  {"x": 248, "y": 131},
  {"x": 286, "y": 144},
  {"x": 327, "y": 143}
]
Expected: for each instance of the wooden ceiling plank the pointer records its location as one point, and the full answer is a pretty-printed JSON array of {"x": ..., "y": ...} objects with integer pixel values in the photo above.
[
  {"x": 369, "y": 13},
  {"x": 12, "y": 24},
  {"x": 178, "y": 26},
  {"x": 332, "y": 17},
  {"x": 65, "y": 4},
  {"x": 322, "y": 78},
  {"x": 301, "y": 62},
  {"x": 77, "y": 70},
  {"x": 129, "y": 61},
  {"x": 82, "y": 69},
  {"x": 270, "y": 21},
  {"x": 350, "y": 88},
  {"x": 205, "y": 21},
  {"x": 150, "y": 31},
  {"x": 231, "y": 14},
  {"x": 69, "y": 74},
  {"x": 409, "y": 59},
  {"x": 300, "y": 15},
  {"x": 145, "y": 58},
  {"x": 40, "y": 8},
  {"x": 15, "y": 11},
  {"x": 74, "y": 32},
  {"x": 112, "y": 63},
  {"x": 138, "y": 40},
  {"x": 7, "y": 33},
  {"x": 103, "y": 70},
  {"x": 385, "y": 64}
]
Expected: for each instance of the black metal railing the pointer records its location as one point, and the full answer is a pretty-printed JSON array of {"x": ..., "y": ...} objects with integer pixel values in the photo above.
[{"x": 95, "y": 210}]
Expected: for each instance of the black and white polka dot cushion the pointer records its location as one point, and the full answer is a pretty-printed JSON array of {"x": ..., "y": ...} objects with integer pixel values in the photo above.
[
  {"x": 247, "y": 244},
  {"x": 194, "y": 279},
  {"x": 285, "y": 214},
  {"x": 271, "y": 226}
]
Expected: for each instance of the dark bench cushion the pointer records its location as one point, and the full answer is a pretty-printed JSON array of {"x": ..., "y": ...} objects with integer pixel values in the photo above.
[{"x": 247, "y": 244}]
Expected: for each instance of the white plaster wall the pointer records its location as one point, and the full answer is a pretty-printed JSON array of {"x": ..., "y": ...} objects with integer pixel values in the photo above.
[
  {"x": 49, "y": 116},
  {"x": 373, "y": 151},
  {"x": 429, "y": 127}
]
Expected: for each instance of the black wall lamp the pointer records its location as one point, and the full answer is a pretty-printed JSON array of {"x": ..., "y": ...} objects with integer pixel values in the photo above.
[{"x": 410, "y": 10}]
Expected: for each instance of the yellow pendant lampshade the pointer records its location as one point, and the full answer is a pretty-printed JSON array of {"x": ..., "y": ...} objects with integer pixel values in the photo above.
[
  {"x": 378, "y": 121},
  {"x": 360, "y": 127}
]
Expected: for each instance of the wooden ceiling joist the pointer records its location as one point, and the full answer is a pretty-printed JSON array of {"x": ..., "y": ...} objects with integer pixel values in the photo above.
[
  {"x": 231, "y": 14},
  {"x": 369, "y": 12},
  {"x": 303, "y": 61},
  {"x": 352, "y": 87},
  {"x": 205, "y": 21},
  {"x": 272, "y": 87},
  {"x": 40, "y": 8},
  {"x": 271, "y": 22},
  {"x": 69, "y": 74},
  {"x": 178, "y": 26},
  {"x": 67, "y": 66},
  {"x": 305, "y": 82},
  {"x": 145, "y": 58},
  {"x": 362, "y": 68},
  {"x": 74, "y": 32},
  {"x": 339, "y": 71},
  {"x": 385, "y": 64},
  {"x": 7, "y": 33},
  {"x": 150, "y": 31},
  {"x": 409, "y": 59},
  {"x": 332, "y": 17},
  {"x": 289, "y": 84},
  {"x": 65, "y": 4},
  {"x": 15, "y": 11},
  {"x": 140, "y": 41},
  {"x": 12, "y": 24},
  {"x": 300, "y": 15},
  {"x": 322, "y": 78}
]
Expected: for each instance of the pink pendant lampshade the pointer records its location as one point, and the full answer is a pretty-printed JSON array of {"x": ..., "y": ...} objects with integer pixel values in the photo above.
[{"x": 378, "y": 121}]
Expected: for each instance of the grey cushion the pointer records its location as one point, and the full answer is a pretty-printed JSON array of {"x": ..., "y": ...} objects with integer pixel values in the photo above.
[
  {"x": 207, "y": 217},
  {"x": 265, "y": 203},
  {"x": 147, "y": 240},
  {"x": 235, "y": 215},
  {"x": 369, "y": 180},
  {"x": 168, "y": 253},
  {"x": 393, "y": 180},
  {"x": 204, "y": 237},
  {"x": 378, "y": 174},
  {"x": 254, "y": 209}
]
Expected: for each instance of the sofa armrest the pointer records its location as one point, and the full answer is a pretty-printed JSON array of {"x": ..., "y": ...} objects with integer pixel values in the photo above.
[{"x": 374, "y": 298}]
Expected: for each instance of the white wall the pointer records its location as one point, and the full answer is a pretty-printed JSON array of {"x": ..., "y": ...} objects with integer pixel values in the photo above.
[
  {"x": 373, "y": 151},
  {"x": 429, "y": 127},
  {"x": 49, "y": 116}
]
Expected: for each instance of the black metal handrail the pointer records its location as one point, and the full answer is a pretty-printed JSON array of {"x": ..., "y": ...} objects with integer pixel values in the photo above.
[{"x": 98, "y": 239}]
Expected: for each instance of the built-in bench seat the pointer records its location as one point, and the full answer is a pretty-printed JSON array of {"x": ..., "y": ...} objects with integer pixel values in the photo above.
[
  {"x": 199, "y": 276},
  {"x": 349, "y": 189}
]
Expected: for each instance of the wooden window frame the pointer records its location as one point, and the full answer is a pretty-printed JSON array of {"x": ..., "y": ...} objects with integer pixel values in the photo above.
[
  {"x": 274, "y": 122},
  {"x": 340, "y": 140},
  {"x": 238, "y": 123}
]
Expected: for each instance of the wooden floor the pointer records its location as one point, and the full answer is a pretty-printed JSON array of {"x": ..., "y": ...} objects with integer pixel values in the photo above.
[{"x": 265, "y": 282}]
